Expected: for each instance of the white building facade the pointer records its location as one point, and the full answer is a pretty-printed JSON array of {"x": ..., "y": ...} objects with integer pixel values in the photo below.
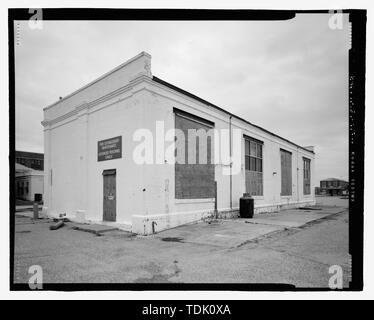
[{"x": 106, "y": 156}]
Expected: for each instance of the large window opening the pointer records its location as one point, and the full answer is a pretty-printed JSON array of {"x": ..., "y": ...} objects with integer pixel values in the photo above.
[
  {"x": 253, "y": 166},
  {"x": 286, "y": 173},
  {"x": 306, "y": 175},
  {"x": 194, "y": 179}
]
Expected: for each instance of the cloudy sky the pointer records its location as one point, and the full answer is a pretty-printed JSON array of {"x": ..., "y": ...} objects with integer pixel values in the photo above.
[{"x": 290, "y": 77}]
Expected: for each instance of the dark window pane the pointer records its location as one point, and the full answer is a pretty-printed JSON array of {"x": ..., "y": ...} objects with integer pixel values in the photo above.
[
  {"x": 253, "y": 151},
  {"x": 246, "y": 162},
  {"x": 247, "y": 147},
  {"x": 253, "y": 161},
  {"x": 252, "y": 166},
  {"x": 259, "y": 165},
  {"x": 209, "y": 150},
  {"x": 307, "y": 177}
]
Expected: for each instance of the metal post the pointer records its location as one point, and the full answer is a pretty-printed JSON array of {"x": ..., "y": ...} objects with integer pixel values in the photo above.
[
  {"x": 215, "y": 200},
  {"x": 36, "y": 210},
  {"x": 230, "y": 145}
]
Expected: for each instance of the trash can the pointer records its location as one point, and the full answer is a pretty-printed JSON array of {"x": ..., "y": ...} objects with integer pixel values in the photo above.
[
  {"x": 246, "y": 207},
  {"x": 37, "y": 197}
]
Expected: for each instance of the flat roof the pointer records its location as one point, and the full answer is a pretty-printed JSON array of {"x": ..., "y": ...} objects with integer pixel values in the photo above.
[
  {"x": 334, "y": 179},
  {"x": 169, "y": 85},
  {"x": 31, "y": 155}
]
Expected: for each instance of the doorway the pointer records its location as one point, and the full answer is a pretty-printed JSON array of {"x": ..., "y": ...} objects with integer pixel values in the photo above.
[{"x": 109, "y": 195}]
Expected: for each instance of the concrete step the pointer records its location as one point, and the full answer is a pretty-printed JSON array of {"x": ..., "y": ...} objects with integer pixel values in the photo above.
[{"x": 97, "y": 229}]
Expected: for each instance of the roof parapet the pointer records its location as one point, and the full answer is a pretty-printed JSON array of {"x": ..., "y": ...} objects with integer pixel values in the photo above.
[{"x": 140, "y": 65}]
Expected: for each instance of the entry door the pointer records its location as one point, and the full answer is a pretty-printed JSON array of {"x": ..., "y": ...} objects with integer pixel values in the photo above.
[{"x": 109, "y": 202}]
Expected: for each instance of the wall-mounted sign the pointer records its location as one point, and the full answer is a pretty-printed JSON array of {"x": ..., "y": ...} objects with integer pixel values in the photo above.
[{"x": 109, "y": 149}]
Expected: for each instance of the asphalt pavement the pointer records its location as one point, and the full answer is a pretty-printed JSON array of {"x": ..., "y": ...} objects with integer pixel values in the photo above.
[{"x": 213, "y": 251}]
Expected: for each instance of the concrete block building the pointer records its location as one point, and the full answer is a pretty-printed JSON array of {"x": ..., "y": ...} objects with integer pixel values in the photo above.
[
  {"x": 333, "y": 187},
  {"x": 116, "y": 152},
  {"x": 31, "y": 160}
]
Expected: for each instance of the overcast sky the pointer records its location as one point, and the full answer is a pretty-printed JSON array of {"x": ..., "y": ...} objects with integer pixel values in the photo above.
[{"x": 290, "y": 77}]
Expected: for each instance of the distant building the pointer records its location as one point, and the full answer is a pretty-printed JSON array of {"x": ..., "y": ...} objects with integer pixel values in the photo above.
[
  {"x": 31, "y": 160},
  {"x": 29, "y": 183},
  {"x": 333, "y": 187}
]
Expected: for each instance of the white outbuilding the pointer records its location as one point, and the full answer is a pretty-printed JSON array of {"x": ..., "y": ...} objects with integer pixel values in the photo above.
[
  {"x": 132, "y": 150},
  {"x": 28, "y": 183}
]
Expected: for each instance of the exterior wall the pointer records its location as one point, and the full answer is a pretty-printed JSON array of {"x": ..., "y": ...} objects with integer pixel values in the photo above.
[
  {"x": 65, "y": 181},
  {"x": 72, "y": 129},
  {"x": 123, "y": 118},
  {"x": 77, "y": 181},
  {"x": 164, "y": 211},
  {"x": 120, "y": 104}
]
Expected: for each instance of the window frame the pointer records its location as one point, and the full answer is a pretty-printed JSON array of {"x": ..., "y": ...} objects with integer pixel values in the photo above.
[
  {"x": 283, "y": 192},
  {"x": 254, "y": 164},
  {"x": 256, "y": 157},
  {"x": 307, "y": 176},
  {"x": 183, "y": 193}
]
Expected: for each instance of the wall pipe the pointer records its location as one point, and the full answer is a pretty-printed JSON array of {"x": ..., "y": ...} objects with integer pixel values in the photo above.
[
  {"x": 297, "y": 174},
  {"x": 230, "y": 164}
]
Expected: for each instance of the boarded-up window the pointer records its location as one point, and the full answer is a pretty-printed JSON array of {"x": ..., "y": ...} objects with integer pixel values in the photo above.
[
  {"x": 306, "y": 175},
  {"x": 286, "y": 173},
  {"x": 194, "y": 180},
  {"x": 253, "y": 166}
]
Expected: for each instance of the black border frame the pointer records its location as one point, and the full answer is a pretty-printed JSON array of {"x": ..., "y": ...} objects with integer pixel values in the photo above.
[{"x": 357, "y": 17}]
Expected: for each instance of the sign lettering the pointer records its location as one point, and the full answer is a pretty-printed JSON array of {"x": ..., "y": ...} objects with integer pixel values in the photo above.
[{"x": 109, "y": 149}]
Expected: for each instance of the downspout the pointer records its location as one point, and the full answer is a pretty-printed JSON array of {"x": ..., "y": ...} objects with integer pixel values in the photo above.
[
  {"x": 230, "y": 143},
  {"x": 297, "y": 173}
]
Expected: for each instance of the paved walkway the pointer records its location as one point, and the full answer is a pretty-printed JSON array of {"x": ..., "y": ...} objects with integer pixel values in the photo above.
[
  {"x": 236, "y": 232},
  {"x": 227, "y": 233}
]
